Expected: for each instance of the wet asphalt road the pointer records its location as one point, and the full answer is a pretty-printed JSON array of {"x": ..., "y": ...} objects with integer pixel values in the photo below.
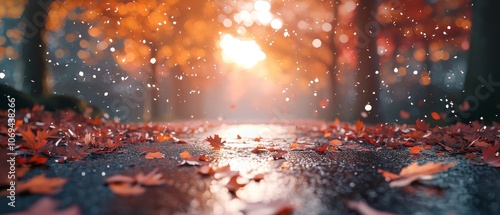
[{"x": 316, "y": 183}]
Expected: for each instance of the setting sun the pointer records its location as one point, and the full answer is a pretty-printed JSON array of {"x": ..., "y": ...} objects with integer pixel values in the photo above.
[{"x": 245, "y": 53}]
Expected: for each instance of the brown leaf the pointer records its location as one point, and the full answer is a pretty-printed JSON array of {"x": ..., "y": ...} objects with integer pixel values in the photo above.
[
  {"x": 42, "y": 185},
  {"x": 279, "y": 154},
  {"x": 364, "y": 209},
  {"x": 259, "y": 149},
  {"x": 48, "y": 206},
  {"x": 415, "y": 172},
  {"x": 233, "y": 185},
  {"x": 154, "y": 155},
  {"x": 216, "y": 142},
  {"x": 490, "y": 155}
]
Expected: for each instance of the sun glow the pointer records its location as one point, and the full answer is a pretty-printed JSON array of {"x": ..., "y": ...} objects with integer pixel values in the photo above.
[{"x": 245, "y": 53}]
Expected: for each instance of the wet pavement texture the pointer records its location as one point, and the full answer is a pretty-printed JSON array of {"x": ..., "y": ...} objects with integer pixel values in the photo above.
[{"x": 317, "y": 183}]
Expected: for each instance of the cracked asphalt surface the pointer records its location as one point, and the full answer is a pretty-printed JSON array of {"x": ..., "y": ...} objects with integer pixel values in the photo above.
[{"x": 317, "y": 183}]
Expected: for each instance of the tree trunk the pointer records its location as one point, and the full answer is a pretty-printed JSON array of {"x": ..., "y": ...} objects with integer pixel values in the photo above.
[
  {"x": 367, "y": 86},
  {"x": 34, "y": 73},
  {"x": 151, "y": 104},
  {"x": 481, "y": 93},
  {"x": 334, "y": 104}
]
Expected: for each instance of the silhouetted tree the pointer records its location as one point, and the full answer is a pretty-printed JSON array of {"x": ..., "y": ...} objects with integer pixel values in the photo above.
[
  {"x": 481, "y": 94},
  {"x": 34, "y": 74}
]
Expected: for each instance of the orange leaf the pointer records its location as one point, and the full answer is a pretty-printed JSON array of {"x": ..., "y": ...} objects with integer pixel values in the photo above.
[
  {"x": 185, "y": 155},
  {"x": 42, "y": 185},
  {"x": 153, "y": 155},
  {"x": 416, "y": 149},
  {"x": 359, "y": 125},
  {"x": 335, "y": 142},
  {"x": 415, "y": 172},
  {"x": 435, "y": 116},
  {"x": 126, "y": 189},
  {"x": 490, "y": 155},
  {"x": 216, "y": 142}
]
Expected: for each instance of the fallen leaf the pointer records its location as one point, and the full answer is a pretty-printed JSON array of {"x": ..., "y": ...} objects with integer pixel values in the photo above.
[
  {"x": 134, "y": 185},
  {"x": 38, "y": 141},
  {"x": 257, "y": 139},
  {"x": 185, "y": 155},
  {"x": 364, "y": 209},
  {"x": 335, "y": 142},
  {"x": 259, "y": 149},
  {"x": 238, "y": 137},
  {"x": 126, "y": 189},
  {"x": 321, "y": 149},
  {"x": 490, "y": 155},
  {"x": 48, "y": 206},
  {"x": 416, "y": 149},
  {"x": 359, "y": 125},
  {"x": 281, "y": 206},
  {"x": 216, "y": 142},
  {"x": 279, "y": 154},
  {"x": 233, "y": 185},
  {"x": 154, "y": 155},
  {"x": 415, "y": 172},
  {"x": 151, "y": 179},
  {"x": 41, "y": 185}
]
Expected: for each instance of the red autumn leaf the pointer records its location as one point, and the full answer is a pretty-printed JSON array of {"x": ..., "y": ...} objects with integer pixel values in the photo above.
[
  {"x": 280, "y": 206},
  {"x": 216, "y": 142},
  {"x": 154, "y": 155},
  {"x": 363, "y": 208},
  {"x": 359, "y": 125},
  {"x": 322, "y": 148},
  {"x": 35, "y": 160},
  {"x": 257, "y": 139},
  {"x": 238, "y": 137},
  {"x": 415, "y": 172},
  {"x": 416, "y": 149},
  {"x": 47, "y": 205},
  {"x": 421, "y": 125},
  {"x": 41, "y": 185},
  {"x": 38, "y": 141},
  {"x": 490, "y": 155}
]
